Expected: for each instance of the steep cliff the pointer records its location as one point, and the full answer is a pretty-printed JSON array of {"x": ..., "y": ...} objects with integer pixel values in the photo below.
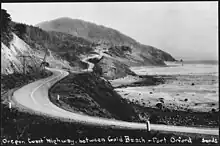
[{"x": 13, "y": 62}]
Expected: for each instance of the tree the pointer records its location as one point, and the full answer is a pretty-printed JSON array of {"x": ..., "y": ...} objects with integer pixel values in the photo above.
[
  {"x": 6, "y": 35},
  {"x": 20, "y": 29},
  {"x": 5, "y": 21},
  {"x": 159, "y": 105},
  {"x": 154, "y": 118},
  {"x": 97, "y": 69}
]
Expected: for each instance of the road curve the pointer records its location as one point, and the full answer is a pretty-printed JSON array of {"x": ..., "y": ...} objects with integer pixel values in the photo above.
[{"x": 34, "y": 97}]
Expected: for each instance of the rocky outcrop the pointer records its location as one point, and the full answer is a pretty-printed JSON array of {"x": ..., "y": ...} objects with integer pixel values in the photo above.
[{"x": 113, "y": 69}]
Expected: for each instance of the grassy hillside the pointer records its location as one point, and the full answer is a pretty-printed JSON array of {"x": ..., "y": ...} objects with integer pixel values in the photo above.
[
  {"x": 62, "y": 45},
  {"x": 70, "y": 48},
  {"x": 90, "y": 94},
  {"x": 63, "y": 50},
  {"x": 103, "y": 35},
  {"x": 90, "y": 31}
]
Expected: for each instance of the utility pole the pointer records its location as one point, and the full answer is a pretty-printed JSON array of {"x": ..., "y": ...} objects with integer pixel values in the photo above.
[
  {"x": 24, "y": 59},
  {"x": 87, "y": 62}
]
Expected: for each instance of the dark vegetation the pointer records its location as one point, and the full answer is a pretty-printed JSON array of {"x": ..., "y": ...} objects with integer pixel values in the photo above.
[
  {"x": 120, "y": 51},
  {"x": 95, "y": 60},
  {"x": 90, "y": 94},
  {"x": 19, "y": 29},
  {"x": 15, "y": 80},
  {"x": 82, "y": 64},
  {"x": 18, "y": 125},
  {"x": 55, "y": 41},
  {"x": 161, "y": 114},
  {"x": 6, "y": 27},
  {"x": 97, "y": 69},
  {"x": 66, "y": 46}
]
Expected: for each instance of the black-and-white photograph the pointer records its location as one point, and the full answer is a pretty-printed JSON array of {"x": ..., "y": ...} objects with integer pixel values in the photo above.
[{"x": 109, "y": 73}]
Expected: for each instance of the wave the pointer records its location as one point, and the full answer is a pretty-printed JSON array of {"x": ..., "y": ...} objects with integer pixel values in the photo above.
[{"x": 211, "y": 62}]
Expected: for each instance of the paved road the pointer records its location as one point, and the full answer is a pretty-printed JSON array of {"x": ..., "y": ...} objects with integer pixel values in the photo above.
[{"x": 34, "y": 97}]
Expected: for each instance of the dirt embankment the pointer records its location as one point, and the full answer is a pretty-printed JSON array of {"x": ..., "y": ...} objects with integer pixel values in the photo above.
[{"x": 90, "y": 94}]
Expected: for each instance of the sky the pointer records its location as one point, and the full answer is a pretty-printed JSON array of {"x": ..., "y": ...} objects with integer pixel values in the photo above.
[{"x": 187, "y": 30}]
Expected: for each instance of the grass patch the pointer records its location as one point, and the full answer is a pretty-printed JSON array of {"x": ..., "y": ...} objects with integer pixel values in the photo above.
[{"x": 178, "y": 118}]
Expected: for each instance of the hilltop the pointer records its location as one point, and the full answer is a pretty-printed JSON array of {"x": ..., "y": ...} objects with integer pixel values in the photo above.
[
  {"x": 67, "y": 41},
  {"x": 107, "y": 37}
]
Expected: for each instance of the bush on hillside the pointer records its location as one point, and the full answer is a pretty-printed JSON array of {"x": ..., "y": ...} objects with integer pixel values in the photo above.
[
  {"x": 6, "y": 28},
  {"x": 19, "y": 29}
]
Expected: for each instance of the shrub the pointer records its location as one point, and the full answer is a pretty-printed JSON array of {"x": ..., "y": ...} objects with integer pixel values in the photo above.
[
  {"x": 159, "y": 105},
  {"x": 154, "y": 118},
  {"x": 213, "y": 110},
  {"x": 6, "y": 35},
  {"x": 161, "y": 100}
]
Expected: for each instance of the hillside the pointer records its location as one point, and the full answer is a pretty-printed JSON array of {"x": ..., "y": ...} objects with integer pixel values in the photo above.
[
  {"x": 63, "y": 51},
  {"x": 89, "y": 94},
  {"x": 12, "y": 62},
  {"x": 107, "y": 37},
  {"x": 65, "y": 48}
]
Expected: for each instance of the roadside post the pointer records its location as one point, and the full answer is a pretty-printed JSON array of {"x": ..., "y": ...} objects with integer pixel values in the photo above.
[
  {"x": 58, "y": 97},
  {"x": 148, "y": 126},
  {"x": 9, "y": 105}
]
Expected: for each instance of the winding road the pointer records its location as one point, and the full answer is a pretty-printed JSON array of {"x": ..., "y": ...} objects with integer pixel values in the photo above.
[{"x": 34, "y": 97}]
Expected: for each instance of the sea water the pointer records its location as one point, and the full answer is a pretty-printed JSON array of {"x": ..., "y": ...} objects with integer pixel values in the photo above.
[{"x": 196, "y": 67}]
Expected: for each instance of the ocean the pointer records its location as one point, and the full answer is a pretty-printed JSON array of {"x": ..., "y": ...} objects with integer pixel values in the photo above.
[{"x": 197, "y": 67}]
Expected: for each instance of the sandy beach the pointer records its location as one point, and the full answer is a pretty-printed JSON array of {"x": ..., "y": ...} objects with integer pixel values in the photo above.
[{"x": 192, "y": 87}]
